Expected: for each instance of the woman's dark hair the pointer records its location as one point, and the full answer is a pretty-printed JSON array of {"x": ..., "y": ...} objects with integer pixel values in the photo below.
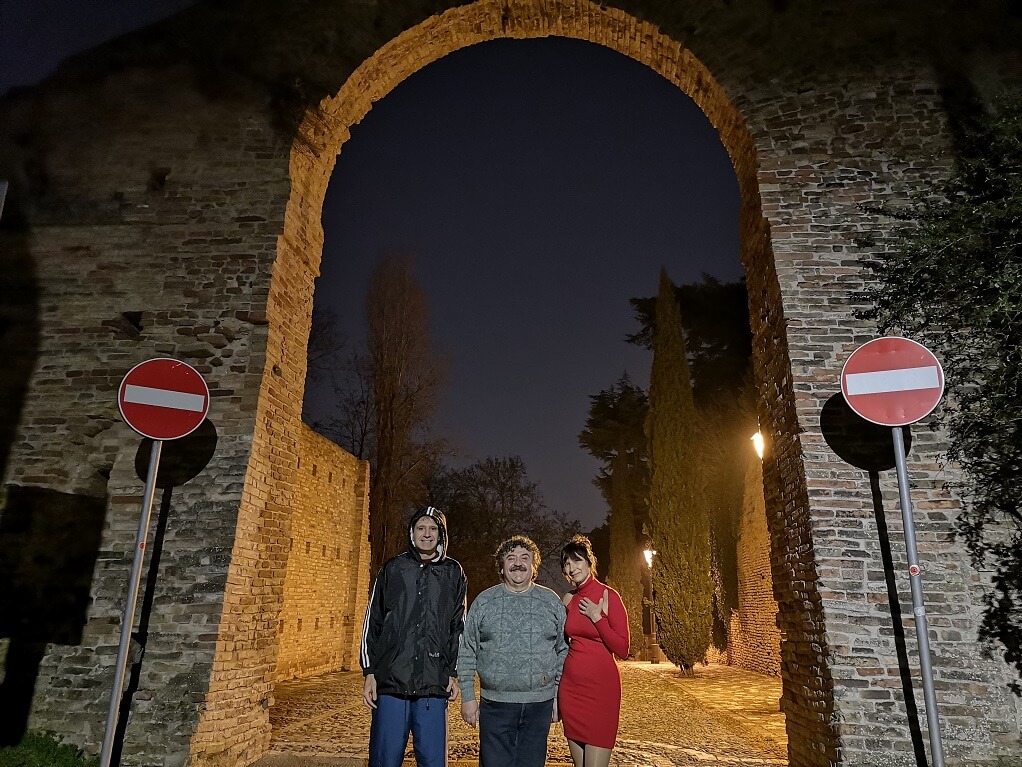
[{"x": 579, "y": 547}]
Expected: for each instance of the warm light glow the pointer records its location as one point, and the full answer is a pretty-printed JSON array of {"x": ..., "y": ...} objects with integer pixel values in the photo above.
[
  {"x": 648, "y": 554},
  {"x": 757, "y": 442}
]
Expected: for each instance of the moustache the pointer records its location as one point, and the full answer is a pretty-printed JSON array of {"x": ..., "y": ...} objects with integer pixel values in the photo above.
[{"x": 517, "y": 568}]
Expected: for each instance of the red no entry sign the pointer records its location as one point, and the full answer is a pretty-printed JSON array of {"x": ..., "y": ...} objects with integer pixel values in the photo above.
[
  {"x": 892, "y": 381},
  {"x": 163, "y": 399}
]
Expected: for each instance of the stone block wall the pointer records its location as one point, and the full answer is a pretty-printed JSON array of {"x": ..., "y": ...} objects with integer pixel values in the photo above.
[
  {"x": 162, "y": 204},
  {"x": 753, "y": 639},
  {"x": 324, "y": 589},
  {"x": 149, "y": 231}
]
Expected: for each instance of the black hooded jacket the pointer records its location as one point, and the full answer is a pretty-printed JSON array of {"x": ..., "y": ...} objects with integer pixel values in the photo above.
[{"x": 414, "y": 620}]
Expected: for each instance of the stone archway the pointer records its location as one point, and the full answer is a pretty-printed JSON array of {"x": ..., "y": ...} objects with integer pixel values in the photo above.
[{"x": 323, "y": 132}]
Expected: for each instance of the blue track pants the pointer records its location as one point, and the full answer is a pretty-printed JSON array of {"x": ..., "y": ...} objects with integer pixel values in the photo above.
[{"x": 394, "y": 718}]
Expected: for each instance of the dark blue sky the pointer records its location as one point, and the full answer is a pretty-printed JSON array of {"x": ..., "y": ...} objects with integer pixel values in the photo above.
[
  {"x": 540, "y": 185},
  {"x": 36, "y": 35}
]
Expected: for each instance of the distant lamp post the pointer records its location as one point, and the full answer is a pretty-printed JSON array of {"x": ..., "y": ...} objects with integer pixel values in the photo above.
[
  {"x": 757, "y": 442},
  {"x": 654, "y": 648}
]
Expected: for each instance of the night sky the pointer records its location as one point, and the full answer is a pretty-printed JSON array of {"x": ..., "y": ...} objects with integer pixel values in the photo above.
[
  {"x": 539, "y": 184},
  {"x": 36, "y": 35}
]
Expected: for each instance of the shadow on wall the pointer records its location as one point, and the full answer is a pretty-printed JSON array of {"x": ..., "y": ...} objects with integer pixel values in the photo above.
[
  {"x": 180, "y": 461},
  {"x": 869, "y": 446},
  {"x": 19, "y": 325},
  {"x": 49, "y": 542}
]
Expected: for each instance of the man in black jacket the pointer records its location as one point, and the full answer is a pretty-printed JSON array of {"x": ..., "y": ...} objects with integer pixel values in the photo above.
[{"x": 410, "y": 638}]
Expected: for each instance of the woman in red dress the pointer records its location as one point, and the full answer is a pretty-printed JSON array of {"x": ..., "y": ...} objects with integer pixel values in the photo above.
[{"x": 589, "y": 695}]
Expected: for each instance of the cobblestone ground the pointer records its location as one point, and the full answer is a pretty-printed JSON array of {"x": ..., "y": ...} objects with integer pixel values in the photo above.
[{"x": 718, "y": 716}]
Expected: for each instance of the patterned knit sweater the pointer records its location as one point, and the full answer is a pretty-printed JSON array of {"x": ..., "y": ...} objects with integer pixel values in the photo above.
[{"x": 515, "y": 642}]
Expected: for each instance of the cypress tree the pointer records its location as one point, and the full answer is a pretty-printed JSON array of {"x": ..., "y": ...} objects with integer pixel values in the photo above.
[{"x": 678, "y": 523}]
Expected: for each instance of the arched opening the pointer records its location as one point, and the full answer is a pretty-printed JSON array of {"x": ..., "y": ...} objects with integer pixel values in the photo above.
[{"x": 240, "y": 691}]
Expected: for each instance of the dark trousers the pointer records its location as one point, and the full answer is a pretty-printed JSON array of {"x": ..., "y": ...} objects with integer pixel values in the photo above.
[
  {"x": 513, "y": 734},
  {"x": 394, "y": 718}
]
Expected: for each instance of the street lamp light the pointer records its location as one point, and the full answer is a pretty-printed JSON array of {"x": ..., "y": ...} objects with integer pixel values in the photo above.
[
  {"x": 757, "y": 442},
  {"x": 654, "y": 648}
]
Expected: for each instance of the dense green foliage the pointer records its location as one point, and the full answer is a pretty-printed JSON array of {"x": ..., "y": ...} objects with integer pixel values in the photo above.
[
  {"x": 488, "y": 502},
  {"x": 44, "y": 750},
  {"x": 615, "y": 435},
  {"x": 718, "y": 343},
  {"x": 678, "y": 524},
  {"x": 950, "y": 275},
  {"x": 599, "y": 537}
]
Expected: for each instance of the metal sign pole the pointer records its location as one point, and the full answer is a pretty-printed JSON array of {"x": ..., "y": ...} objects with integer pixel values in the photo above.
[
  {"x": 922, "y": 635},
  {"x": 129, "y": 607}
]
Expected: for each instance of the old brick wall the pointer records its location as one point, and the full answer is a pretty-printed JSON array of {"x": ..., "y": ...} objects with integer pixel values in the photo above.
[
  {"x": 159, "y": 180},
  {"x": 323, "y": 607},
  {"x": 853, "y": 154},
  {"x": 753, "y": 640},
  {"x": 148, "y": 235}
]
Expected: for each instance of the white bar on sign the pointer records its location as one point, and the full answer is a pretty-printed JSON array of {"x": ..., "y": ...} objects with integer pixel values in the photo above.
[
  {"x": 178, "y": 400},
  {"x": 907, "y": 379}
]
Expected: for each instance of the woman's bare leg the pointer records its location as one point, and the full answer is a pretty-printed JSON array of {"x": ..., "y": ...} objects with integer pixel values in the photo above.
[
  {"x": 578, "y": 752},
  {"x": 596, "y": 756}
]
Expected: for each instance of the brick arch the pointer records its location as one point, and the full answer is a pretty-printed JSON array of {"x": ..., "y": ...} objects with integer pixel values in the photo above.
[{"x": 236, "y": 708}]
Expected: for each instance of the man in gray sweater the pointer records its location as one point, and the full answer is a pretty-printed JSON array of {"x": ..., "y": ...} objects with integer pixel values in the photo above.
[{"x": 514, "y": 639}]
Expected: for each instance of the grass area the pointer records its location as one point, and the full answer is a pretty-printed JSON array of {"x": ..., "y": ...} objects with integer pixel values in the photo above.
[{"x": 38, "y": 749}]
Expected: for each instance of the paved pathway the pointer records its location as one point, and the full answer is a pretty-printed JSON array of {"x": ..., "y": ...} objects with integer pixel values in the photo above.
[{"x": 719, "y": 716}]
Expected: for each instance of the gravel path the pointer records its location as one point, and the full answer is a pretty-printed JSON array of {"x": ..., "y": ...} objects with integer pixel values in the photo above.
[{"x": 718, "y": 716}]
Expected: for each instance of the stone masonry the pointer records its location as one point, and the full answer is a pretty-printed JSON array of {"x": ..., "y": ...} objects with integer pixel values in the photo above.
[
  {"x": 753, "y": 640},
  {"x": 327, "y": 584},
  {"x": 166, "y": 194}
]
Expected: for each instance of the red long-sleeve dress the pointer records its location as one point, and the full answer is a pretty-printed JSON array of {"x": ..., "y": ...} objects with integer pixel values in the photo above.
[{"x": 589, "y": 695}]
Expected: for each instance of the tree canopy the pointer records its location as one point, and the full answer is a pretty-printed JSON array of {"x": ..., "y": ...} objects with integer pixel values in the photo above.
[
  {"x": 489, "y": 501},
  {"x": 715, "y": 324},
  {"x": 718, "y": 347},
  {"x": 614, "y": 434},
  {"x": 383, "y": 397}
]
